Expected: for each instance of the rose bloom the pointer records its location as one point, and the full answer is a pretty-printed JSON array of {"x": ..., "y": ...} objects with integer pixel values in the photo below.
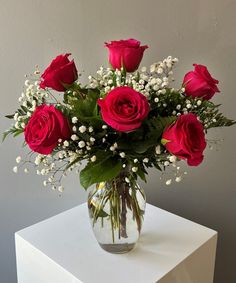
[
  {"x": 199, "y": 83},
  {"x": 45, "y": 127},
  {"x": 60, "y": 73},
  {"x": 186, "y": 139},
  {"x": 127, "y": 53},
  {"x": 124, "y": 109}
]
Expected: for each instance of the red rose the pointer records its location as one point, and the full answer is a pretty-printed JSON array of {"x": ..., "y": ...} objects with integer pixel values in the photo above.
[
  {"x": 199, "y": 83},
  {"x": 124, "y": 109},
  {"x": 59, "y": 73},
  {"x": 45, "y": 127},
  {"x": 127, "y": 53},
  {"x": 186, "y": 139}
]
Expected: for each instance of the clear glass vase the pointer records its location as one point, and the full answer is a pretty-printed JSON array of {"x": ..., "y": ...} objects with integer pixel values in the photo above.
[{"x": 116, "y": 210}]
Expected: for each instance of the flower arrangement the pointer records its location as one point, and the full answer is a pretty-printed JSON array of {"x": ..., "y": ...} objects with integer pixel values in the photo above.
[{"x": 123, "y": 118}]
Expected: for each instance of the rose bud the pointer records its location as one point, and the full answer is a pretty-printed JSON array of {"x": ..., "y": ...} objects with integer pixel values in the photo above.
[
  {"x": 45, "y": 127},
  {"x": 124, "y": 109},
  {"x": 199, "y": 83},
  {"x": 127, "y": 53},
  {"x": 60, "y": 73},
  {"x": 186, "y": 139}
]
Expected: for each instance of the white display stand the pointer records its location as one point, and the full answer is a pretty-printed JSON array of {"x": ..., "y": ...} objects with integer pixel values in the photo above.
[{"x": 63, "y": 249}]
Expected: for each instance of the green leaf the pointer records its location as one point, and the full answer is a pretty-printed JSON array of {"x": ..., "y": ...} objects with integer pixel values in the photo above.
[
  {"x": 10, "y": 116},
  {"x": 85, "y": 107},
  {"x": 17, "y": 133},
  {"x": 142, "y": 175},
  {"x": 12, "y": 131},
  {"x": 154, "y": 130},
  {"x": 100, "y": 171},
  {"x": 5, "y": 134}
]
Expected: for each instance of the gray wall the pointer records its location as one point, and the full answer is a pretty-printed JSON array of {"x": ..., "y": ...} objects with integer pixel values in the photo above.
[{"x": 33, "y": 32}]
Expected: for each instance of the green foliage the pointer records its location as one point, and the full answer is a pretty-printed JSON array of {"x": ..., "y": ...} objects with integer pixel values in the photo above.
[
  {"x": 10, "y": 116},
  {"x": 105, "y": 168},
  {"x": 85, "y": 107},
  {"x": 147, "y": 136},
  {"x": 12, "y": 131}
]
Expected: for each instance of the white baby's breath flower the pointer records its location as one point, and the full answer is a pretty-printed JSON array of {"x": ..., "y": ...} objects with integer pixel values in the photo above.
[
  {"x": 92, "y": 139},
  {"x": 22, "y": 125},
  {"x": 153, "y": 81},
  {"x": 134, "y": 169},
  {"x": 135, "y": 160},
  {"x": 127, "y": 180},
  {"x": 166, "y": 163},
  {"x": 90, "y": 129},
  {"x": 153, "y": 68},
  {"x": 144, "y": 69},
  {"x": 27, "y": 82},
  {"x": 82, "y": 129},
  {"x": 74, "y": 137},
  {"x": 168, "y": 182},
  {"x": 104, "y": 127},
  {"x": 18, "y": 159},
  {"x": 178, "y": 179},
  {"x": 93, "y": 158},
  {"x": 81, "y": 144},
  {"x": 158, "y": 149},
  {"x": 50, "y": 179},
  {"x": 189, "y": 106},
  {"x": 122, "y": 155},
  {"x": 15, "y": 169},
  {"x": 145, "y": 160},
  {"x": 107, "y": 88},
  {"x": 74, "y": 120},
  {"x": 172, "y": 158},
  {"x": 61, "y": 155},
  {"x": 16, "y": 116},
  {"x": 199, "y": 102},
  {"x": 61, "y": 189},
  {"x": 66, "y": 143},
  {"x": 159, "y": 70},
  {"x": 43, "y": 172}
]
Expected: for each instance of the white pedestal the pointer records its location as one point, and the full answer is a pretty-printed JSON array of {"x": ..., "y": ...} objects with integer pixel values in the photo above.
[{"x": 62, "y": 249}]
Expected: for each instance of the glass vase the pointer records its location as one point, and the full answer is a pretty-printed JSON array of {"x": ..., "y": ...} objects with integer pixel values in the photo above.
[{"x": 116, "y": 211}]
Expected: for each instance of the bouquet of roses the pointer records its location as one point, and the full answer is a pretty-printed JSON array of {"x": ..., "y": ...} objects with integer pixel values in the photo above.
[{"x": 123, "y": 119}]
